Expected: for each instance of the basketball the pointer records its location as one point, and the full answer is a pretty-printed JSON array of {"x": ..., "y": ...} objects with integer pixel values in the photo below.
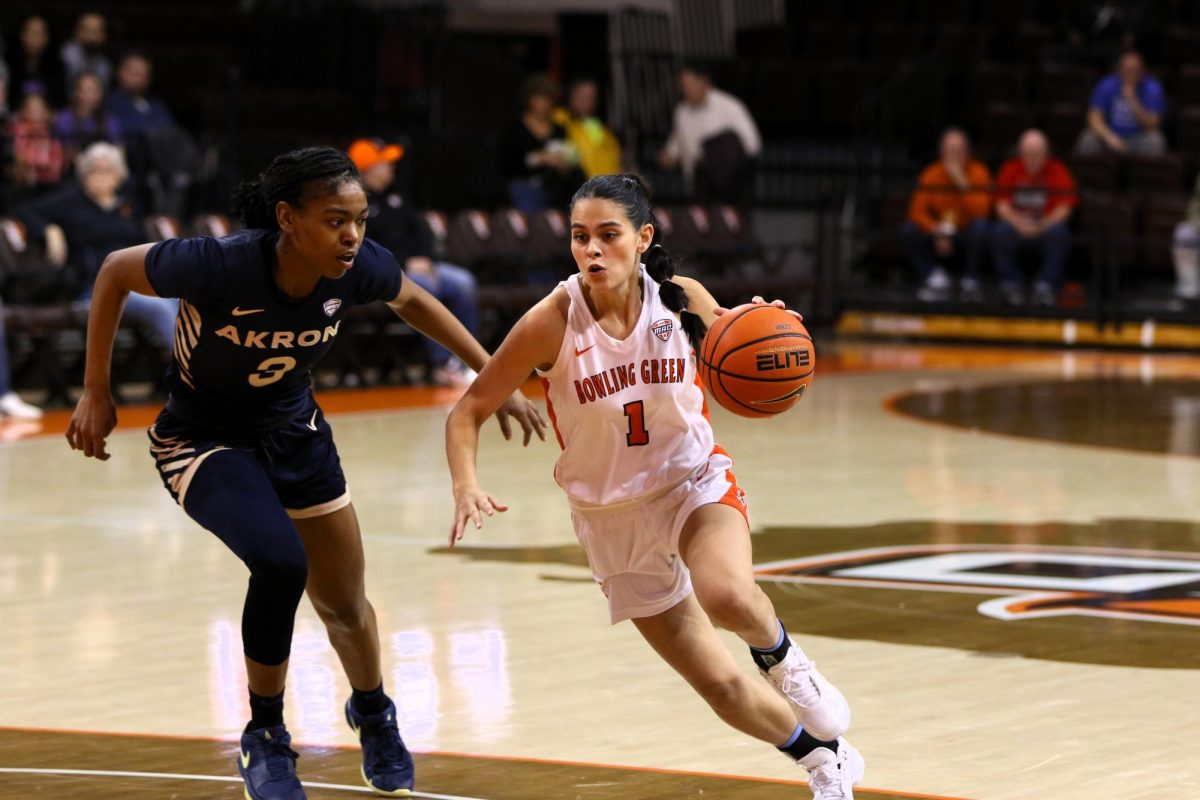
[{"x": 757, "y": 360}]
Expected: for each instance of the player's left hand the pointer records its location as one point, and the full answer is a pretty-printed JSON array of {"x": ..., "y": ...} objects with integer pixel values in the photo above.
[
  {"x": 759, "y": 301},
  {"x": 526, "y": 413}
]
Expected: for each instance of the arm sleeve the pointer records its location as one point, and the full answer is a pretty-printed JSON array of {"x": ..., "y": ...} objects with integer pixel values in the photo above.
[
  {"x": 421, "y": 242},
  {"x": 1154, "y": 101},
  {"x": 743, "y": 124},
  {"x": 1004, "y": 183},
  {"x": 38, "y": 214},
  {"x": 674, "y": 146},
  {"x": 378, "y": 275},
  {"x": 978, "y": 201},
  {"x": 1062, "y": 187},
  {"x": 191, "y": 269},
  {"x": 918, "y": 205}
]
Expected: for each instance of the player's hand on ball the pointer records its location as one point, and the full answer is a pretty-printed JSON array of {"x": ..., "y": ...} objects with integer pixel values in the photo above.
[
  {"x": 94, "y": 419},
  {"x": 759, "y": 301},
  {"x": 471, "y": 505},
  {"x": 527, "y": 415}
]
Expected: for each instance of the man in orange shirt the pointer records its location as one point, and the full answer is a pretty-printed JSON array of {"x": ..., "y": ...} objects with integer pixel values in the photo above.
[
  {"x": 1035, "y": 195},
  {"x": 948, "y": 211}
]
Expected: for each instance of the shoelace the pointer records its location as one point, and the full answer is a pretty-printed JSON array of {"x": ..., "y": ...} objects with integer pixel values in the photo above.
[
  {"x": 388, "y": 748},
  {"x": 281, "y": 758},
  {"x": 828, "y": 776},
  {"x": 806, "y": 688}
]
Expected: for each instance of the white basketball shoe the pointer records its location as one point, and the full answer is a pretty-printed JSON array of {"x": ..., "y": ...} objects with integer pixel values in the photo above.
[
  {"x": 832, "y": 776},
  {"x": 819, "y": 706},
  {"x": 13, "y": 407}
]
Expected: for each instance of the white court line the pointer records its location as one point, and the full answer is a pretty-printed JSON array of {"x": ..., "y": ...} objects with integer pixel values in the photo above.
[{"x": 105, "y": 773}]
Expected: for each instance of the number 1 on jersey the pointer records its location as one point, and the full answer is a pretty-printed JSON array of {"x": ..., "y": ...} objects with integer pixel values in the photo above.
[{"x": 638, "y": 436}]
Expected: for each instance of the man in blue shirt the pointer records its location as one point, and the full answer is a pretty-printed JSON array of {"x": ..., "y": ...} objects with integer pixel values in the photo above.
[
  {"x": 131, "y": 102},
  {"x": 1125, "y": 113},
  {"x": 162, "y": 155}
]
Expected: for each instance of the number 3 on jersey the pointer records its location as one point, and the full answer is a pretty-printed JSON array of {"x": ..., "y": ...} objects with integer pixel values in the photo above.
[
  {"x": 272, "y": 370},
  {"x": 638, "y": 436}
]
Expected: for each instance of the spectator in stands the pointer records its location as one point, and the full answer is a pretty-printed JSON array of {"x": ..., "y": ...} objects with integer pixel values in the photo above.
[
  {"x": 89, "y": 218},
  {"x": 37, "y": 155},
  {"x": 1035, "y": 195},
  {"x": 1125, "y": 113},
  {"x": 162, "y": 156},
  {"x": 949, "y": 212},
  {"x": 599, "y": 151},
  {"x": 713, "y": 139},
  {"x": 541, "y": 165},
  {"x": 397, "y": 225},
  {"x": 1185, "y": 250},
  {"x": 86, "y": 121},
  {"x": 131, "y": 102},
  {"x": 11, "y": 404},
  {"x": 33, "y": 66},
  {"x": 84, "y": 52}
]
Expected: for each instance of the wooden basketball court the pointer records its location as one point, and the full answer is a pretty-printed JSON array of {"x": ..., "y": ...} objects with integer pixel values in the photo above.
[{"x": 994, "y": 553}]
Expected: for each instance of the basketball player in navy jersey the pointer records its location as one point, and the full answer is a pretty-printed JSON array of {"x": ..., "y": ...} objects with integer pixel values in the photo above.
[{"x": 242, "y": 445}]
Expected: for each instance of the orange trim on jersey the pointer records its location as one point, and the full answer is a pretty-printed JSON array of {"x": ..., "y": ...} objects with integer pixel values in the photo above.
[
  {"x": 551, "y": 414},
  {"x": 703, "y": 397},
  {"x": 735, "y": 497}
]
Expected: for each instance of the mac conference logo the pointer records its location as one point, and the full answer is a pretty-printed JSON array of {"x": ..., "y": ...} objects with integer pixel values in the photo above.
[{"x": 1033, "y": 582}]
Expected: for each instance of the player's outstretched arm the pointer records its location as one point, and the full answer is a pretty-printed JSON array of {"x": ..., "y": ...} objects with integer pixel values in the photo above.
[
  {"x": 533, "y": 342},
  {"x": 95, "y": 414},
  {"x": 427, "y": 314}
]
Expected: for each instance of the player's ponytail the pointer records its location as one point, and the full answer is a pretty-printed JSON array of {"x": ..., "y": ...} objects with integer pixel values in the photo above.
[
  {"x": 631, "y": 193},
  {"x": 293, "y": 178},
  {"x": 661, "y": 267}
]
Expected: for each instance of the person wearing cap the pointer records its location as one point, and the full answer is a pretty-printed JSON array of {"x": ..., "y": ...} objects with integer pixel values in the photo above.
[{"x": 397, "y": 225}]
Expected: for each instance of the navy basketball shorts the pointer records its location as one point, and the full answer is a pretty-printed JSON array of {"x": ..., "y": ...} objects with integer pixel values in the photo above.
[{"x": 299, "y": 458}]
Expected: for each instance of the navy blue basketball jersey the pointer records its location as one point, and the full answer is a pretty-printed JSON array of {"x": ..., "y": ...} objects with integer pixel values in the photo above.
[{"x": 244, "y": 349}]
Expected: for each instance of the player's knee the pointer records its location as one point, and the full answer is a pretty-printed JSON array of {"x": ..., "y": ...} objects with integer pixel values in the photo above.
[
  {"x": 733, "y": 608},
  {"x": 344, "y": 614},
  {"x": 285, "y": 572}
]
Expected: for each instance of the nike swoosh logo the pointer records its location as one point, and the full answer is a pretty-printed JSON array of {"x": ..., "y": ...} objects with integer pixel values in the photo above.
[
  {"x": 579, "y": 352},
  {"x": 245, "y": 761},
  {"x": 312, "y": 424},
  {"x": 241, "y": 312}
]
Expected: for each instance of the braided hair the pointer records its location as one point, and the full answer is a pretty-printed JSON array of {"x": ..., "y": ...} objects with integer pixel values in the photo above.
[
  {"x": 629, "y": 191},
  {"x": 293, "y": 177}
]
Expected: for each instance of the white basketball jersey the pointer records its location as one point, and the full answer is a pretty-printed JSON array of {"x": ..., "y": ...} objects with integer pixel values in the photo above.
[{"x": 630, "y": 415}]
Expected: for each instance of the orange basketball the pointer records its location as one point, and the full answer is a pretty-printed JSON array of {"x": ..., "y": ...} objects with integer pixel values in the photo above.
[{"x": 756, "y": 360}]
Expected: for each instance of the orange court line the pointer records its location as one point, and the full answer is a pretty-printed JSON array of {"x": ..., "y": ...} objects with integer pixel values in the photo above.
[
  {"x": 517, "y": 759},
  {"x": 332, "y": 401}
]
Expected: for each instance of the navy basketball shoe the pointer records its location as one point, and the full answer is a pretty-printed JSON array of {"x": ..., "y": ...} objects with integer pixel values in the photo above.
[
  {"x": 387, "y": 765},
  {"x": 268, "y": 765}
]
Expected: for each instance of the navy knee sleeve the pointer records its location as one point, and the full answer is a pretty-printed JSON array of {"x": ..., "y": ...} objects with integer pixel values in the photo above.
[{"x": 231, "y": 496}]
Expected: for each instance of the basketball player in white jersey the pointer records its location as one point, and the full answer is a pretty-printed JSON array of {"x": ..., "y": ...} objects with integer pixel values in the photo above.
[{"x": 652, "y": 498}]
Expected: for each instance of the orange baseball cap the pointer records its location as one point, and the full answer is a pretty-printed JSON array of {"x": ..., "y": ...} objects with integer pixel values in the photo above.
[{"x": 366, "y": 153}]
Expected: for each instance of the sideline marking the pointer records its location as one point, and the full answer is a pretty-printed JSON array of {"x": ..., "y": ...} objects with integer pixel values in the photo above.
[{"x": 105, "y": 773}]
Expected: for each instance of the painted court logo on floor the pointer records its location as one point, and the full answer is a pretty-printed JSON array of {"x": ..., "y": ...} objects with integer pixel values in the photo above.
[
  {"x": 1034, "y": 581},
  {"x": 1121, "y": 592}
]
